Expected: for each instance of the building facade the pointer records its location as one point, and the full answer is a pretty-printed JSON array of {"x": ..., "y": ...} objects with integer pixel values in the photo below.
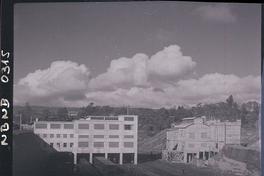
[
  {"x": 114, "y": 137},
  {"x": 198, "y": 138}
]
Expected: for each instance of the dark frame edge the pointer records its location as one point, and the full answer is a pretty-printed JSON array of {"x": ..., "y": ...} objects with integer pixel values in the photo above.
[
  {"x": 6, "y": 89},
  {"x": 262, "y": 91}
]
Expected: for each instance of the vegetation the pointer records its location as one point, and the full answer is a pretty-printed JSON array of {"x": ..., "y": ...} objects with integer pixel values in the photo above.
[{"x": 151, "y": 121}]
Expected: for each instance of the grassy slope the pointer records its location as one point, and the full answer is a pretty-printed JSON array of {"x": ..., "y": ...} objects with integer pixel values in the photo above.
[{"x": 153, "y": 144}]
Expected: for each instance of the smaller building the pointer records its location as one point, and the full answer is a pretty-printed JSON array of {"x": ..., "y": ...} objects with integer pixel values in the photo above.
[
  {"x": 199, "y": 138},
  {"x": 72, "y": 114}
]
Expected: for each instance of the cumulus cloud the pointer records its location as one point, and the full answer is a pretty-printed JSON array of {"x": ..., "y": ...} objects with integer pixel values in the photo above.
[
  {"x": 129, "y": 81},
  {"x": 210, "y": 88},
  {"x": 139, "y": 70},
  {"x": 216, "y": 87},
  {"x": 217, "y": 12},
  {"x": 123, "y": 72},
  {"x": 62, "y": 78},
  {"x": 170, "y": 62}
]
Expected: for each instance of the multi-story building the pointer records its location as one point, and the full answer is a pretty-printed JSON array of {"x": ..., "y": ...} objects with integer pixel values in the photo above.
[
  {"x": 199, "y": 138},
  {"x": 114, "y": 137}
]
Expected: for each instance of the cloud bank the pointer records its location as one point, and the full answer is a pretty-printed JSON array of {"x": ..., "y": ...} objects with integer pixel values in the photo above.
[
  {"x": 143, "y": 81},
  {"x": 141, "y": 70}
]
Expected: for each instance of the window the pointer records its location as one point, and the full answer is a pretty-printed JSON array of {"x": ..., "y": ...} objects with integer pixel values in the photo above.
[
  {"x": 44, "y": 135},
  {"x": 51, "y": 135},
  {"x": 128, "y": 127},
  {"x": 98, "y": 136},
  {"x": 113, "y": 136},
  {"x": 128, "y": 144},
  {"x": 55, "y": 126},
  {"x": 83, "y": 126},
  {"x": 68, "y": 126},
  {"x": 113, "y": 126},
  {"x": 83, "y": 136},
  {"x": 111, "y": 118},
  {"x": 128, "y": 136},
  {"x": 191, "y": 135},
  {"x": 97, "y": 118},
  {"x": 64, "y": 135},
  {"x": 203, "y": 135},
  {"x": 98, "y": 144},
  {"x": 58, "y": 145},
  {"x": 98, "y": 126},
  {"x": 64, "y": 145},
  {"x": 58, "y": 135},
  {"x": 83, "y": 144},
  {"x": 129, "y": 118},
  {"x": 71, "y": 144},
  {"x": 40, "y": 125},
  {"x": 113, "y": 144}
]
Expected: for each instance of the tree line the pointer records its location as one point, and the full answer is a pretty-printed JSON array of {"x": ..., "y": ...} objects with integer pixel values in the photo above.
[{"x": 151, "y": 121}]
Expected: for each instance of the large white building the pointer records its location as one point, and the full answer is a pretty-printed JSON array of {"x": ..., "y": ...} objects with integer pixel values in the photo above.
[
  {"x": 114, "y": 137},
  {"x": 199, "y": 138}
]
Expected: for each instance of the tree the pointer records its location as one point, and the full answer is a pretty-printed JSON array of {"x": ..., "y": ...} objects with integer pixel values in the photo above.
[
  {"x": 27, "y": 113},
  {"x": 46, "y": 114},
  {"x": 230, "y": 101},
  {"x": 62, "y": 113}
]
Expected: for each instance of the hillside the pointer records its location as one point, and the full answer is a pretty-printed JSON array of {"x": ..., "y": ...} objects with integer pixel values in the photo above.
[
  {"x": 152, "y": 122},
  {"x": 153, "y": 144}
]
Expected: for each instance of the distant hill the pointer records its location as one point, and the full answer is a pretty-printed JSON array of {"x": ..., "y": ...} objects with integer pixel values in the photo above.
[{"x": 153, "y": 121}]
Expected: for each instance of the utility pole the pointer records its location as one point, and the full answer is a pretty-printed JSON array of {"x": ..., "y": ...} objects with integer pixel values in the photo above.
[
  {"x": 20, "y": 121},
  {"x": 127, "y": 110}
]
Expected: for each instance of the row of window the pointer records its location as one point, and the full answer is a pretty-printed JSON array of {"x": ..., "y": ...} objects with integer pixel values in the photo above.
[
  {"x": 110, "y": 118},
  {"x": 103, "y": 136},
  {"x": 95, "y": 144},
  {"x": 64, "y": 145},
  {"x": 82, "y": 126},
  {"x": 203, "y": 135},
  {"x": 57, "y": 135},
  {"x": 102, "y": 144},
  {"x": 81, "y": 136},
  {"x": 191, "y": 145}
]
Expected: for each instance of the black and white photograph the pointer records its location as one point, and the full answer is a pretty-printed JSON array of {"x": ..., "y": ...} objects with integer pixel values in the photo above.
[{"x": 137, "y": 88}]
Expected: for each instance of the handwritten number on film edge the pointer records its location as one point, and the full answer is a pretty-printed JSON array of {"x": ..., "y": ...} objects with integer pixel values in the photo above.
[{"x": 5, "y": 71}]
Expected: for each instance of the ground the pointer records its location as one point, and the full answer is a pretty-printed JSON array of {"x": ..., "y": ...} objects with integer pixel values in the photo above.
[{"x": 31, "y": 157}]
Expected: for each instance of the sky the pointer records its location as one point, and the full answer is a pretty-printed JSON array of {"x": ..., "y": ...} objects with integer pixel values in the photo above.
[{"x": 142, "y": 54}]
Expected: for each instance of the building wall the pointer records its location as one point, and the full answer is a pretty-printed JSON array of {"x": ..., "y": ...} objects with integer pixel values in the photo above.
[
  {"x": 202, "y": 136},
  {"x": 96, "y": 134}
]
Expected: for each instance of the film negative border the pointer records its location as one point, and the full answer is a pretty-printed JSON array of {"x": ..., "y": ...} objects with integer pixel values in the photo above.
[
  {"x": 6, "y": 82},
  {"x": 262, "y": 90},
  {"x": 6, "y": 88}
]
